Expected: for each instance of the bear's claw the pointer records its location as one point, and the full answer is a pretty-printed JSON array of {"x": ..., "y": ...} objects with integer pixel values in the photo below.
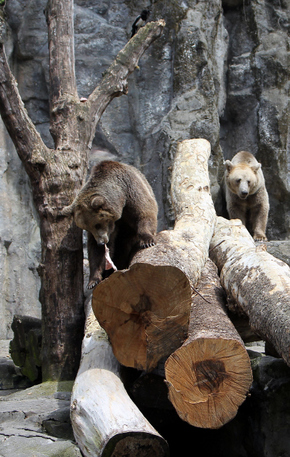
[
  {"x": 92, "y": 284},
  {"x": 147, "y": 245}
]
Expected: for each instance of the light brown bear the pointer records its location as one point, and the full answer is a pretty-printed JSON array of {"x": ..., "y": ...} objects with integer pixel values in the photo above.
[
  {"x": 246, "y": 195},
  {"x": 118, "y": 208}
]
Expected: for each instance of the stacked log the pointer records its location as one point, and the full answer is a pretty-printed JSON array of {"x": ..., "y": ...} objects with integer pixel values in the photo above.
[
  {"x": 256, "y": 281},
  {"x": 209, "y": 376},
  {"x": 170, "y": 304},
  {"x": 145, "y": 310},
  {"x": 105, "y": 420}
]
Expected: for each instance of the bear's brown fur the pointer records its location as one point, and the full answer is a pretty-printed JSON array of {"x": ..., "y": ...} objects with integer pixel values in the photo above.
[
  {"x": 117, "y": 207},
  {"x": 246, "y": 195}
]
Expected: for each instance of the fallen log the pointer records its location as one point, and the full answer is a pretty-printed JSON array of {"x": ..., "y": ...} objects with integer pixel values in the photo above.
[
  {"x": 145, "y": 310},
  {"x": 256, "y": 281},
  {"x": 209, "y": 376},
  {"x": 105, "y": 421}
]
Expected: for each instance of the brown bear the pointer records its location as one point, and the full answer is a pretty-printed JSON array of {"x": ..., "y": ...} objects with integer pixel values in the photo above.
[
  {"x": 246, "y": 195},
  {"x": 117, "y": 207}
]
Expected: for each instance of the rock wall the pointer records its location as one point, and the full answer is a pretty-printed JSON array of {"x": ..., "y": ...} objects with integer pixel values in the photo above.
[{"x": 219, "y": 72}]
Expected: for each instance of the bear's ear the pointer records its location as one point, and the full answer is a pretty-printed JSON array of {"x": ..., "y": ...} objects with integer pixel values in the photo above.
[
  {"x": 97, "y": 202},
  {"x": 257, "y": 167},
  {"x": 228, "y": 164}
]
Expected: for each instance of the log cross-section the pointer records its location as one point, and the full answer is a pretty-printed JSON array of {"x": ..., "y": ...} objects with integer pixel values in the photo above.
[
  {"x": 105, "y": 420},
  {"x": 145, "y": 310},
  {"x": 209, "y": 376}
]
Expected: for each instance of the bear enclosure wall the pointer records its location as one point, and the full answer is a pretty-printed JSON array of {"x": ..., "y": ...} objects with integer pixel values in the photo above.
[{"x": 181, "y": 91}]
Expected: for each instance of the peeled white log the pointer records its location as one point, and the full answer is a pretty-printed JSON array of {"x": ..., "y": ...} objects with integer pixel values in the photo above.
[
  {"x": 105, "y": 421},
  {"x": 258, "y": 282}
]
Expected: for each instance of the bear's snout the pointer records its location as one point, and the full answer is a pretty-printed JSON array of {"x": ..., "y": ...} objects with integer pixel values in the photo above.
[
  {"x": 244, "y": 190},
  {"x": 244, "y": 194},
  {"x": 102, "y": 239}
]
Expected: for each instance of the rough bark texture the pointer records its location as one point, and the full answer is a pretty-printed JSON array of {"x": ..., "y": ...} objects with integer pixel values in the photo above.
[
  {"x": 258, "y": 282},
  {"x": 105, "y": 420},
  {"x": 210, "y": 375},
  {"x": 149, "y": 304},
  {"x": 57, "y": 174}
]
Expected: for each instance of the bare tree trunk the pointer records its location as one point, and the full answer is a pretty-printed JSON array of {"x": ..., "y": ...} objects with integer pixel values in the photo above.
[
  {"x": 57, "y": 174},
  {"x": 105, "y": 421},
  {"x": 145, "y": 309},
  {"x": 258, "y": 282},
  {"x": 210, "y": 375}
]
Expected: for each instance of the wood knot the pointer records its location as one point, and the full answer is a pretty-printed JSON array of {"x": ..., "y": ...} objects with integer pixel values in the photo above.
[
  {"x": 204, "y": 189},
  {"x": 209, "y": 375}
]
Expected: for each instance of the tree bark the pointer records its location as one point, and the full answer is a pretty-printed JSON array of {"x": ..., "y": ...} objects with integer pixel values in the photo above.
[
  {"x": 57, "y": 174},
  {"x": 210, "y": 375},
  {"x": 258, "y": 282},
  {"x": 145, "y": 309},
  {"x": 105, "y": 421}
]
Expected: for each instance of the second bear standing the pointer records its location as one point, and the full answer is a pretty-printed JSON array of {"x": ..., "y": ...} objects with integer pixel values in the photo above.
[
  {"x": 118, "y": 208},
  {"x": 246, "y": 195}
]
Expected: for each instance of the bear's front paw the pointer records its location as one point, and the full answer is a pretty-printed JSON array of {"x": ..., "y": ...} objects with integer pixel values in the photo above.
[
  {"x": 92, "y": 284},
  {"x": 147, "y": 242},
  {"x": 260, "y": 237}
]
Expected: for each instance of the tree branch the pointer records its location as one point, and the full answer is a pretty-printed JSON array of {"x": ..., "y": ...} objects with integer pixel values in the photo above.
[
  {"x": 59, "y": 16},
  {"x": 28, "y": 143},
  {"x": 63, "y": 89},
  {"x": 115, "y": 80}
]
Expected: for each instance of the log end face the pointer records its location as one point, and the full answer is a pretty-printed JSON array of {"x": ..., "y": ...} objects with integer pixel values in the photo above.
[
  {"x": 208, "y": 380},
  {"x": 136, "y": 444},
  {"x": 145, "y": 311}
]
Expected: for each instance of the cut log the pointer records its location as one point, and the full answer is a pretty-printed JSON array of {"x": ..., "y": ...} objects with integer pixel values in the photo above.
[
  {"x": 209, "y": 376},
  {"x": 145, "y": 310},
  {"x": 258, "y": 282},
  {"x": 105, "y": 421}
]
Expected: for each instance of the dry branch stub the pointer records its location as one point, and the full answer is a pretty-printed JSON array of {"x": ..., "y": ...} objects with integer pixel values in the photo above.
[
  {"x": 209, "y": 376},
  {"x": 258, "y": 282},
  {"x": 145, "y": 311}
]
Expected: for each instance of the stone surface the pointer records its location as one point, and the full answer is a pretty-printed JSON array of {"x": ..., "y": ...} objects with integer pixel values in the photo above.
[
  {"x": 279, "y": 249},
  {"x": 36, "y": 422}
]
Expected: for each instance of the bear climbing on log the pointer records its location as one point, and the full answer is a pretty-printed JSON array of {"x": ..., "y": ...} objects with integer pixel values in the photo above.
[
  {"x": 246, "y": 195},
  {"x": 117, "y": 207}
]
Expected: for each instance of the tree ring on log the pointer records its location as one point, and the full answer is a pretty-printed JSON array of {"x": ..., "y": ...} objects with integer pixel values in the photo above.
[
  {"x": 207, "y": 380},
  {"x": 145, "y": 312}
]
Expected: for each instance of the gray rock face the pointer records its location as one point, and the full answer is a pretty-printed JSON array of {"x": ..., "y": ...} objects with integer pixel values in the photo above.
[
  {"x": 219, "y": 72},
  {"x": 36, "y": 422},
  {"x": 256, "y": 117}
]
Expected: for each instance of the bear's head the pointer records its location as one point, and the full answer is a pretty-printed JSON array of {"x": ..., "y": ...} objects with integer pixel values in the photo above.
[
  {"x": 95, "y": 216},
  {"x": 242, "y": 179}
]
